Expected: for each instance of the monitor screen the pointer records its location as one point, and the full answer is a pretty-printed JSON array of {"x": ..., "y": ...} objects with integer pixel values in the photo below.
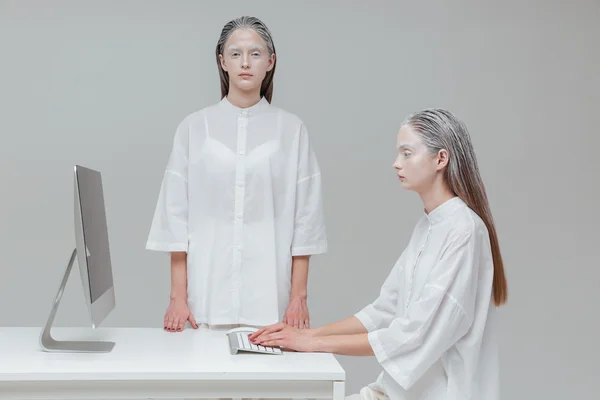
[{"x": 95, "y": 232}]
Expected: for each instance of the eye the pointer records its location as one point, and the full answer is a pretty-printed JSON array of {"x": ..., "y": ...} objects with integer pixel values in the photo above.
[
  {"x": 234, "y": 54},
  {"x": 406, "y": 153},
  {"x": 256, "y": 54}
]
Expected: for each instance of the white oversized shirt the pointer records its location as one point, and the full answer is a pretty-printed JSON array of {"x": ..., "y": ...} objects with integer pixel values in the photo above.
[
  {"x": 432, "y": 328},
  {"x": 241, "y": 195}
]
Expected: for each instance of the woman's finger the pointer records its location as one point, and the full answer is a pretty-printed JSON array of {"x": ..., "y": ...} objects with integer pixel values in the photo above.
[
  {"x": 272, "y": 343},
  {"x": 272, "y": 336},
  {"x": 256, "y": 334},
  {"x": 268, "y": 330},
  {"x": 260, "y": 332},
  {"x": 275, "y": 340}
]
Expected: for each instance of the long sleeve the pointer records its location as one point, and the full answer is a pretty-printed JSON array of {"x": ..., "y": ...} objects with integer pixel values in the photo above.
[
  {"x": 381, "y": 312},
  {"x": 437, "y": 319},
  {"x": 169, "y": 229},
  {"x": 309, "y": 225}
]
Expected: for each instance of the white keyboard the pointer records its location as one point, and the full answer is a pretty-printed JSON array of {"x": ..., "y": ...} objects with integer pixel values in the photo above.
[{"x": 238, "y": 341}]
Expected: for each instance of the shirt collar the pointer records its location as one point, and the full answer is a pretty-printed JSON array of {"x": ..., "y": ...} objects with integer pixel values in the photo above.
[
  {"x": 246, "y": 112},
  {"x": 445, "y": 209}
]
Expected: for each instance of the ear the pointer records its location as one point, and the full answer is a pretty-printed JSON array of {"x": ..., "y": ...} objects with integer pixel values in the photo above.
[
  {"x": 271, "y": 62},
  {"x": 222, "y": 61},
  {"x": 442, "y": 159}
]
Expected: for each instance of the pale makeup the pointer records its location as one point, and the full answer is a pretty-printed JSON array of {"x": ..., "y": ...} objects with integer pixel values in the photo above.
[
  {"x": 415, "y": 166},
  {"x": 246, "y": 59}
]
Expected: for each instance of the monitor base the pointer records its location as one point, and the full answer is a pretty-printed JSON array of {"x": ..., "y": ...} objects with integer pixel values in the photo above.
[{"x": 48, "y": 343}]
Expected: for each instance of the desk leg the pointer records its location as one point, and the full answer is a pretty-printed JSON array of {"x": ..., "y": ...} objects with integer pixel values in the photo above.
[{"x": 339, "y": 390}]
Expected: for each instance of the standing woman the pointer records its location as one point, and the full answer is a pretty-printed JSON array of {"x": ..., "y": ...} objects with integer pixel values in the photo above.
[
  {"x": 240, "y": 205},
  {"x": 433, "y": 326}
]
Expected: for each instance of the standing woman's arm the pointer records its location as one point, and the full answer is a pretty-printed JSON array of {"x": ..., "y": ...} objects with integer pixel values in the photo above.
[
  {"x": 309, "y": 230},
  {"x": 297, "y": 314},
  {"x": 178, "y": 276},
  {"x": 178, "y": 312},
  {"x": 169, "y": 230}
]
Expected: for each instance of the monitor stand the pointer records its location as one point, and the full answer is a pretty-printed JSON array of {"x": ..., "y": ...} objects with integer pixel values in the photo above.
[{"x": 48, "y": 343}]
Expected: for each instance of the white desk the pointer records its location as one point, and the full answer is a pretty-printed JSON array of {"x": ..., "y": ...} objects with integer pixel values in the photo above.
[{"x": 152, "y": 363}]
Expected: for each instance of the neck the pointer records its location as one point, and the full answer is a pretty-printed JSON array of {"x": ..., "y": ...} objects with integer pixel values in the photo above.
[
  {"x": 243, "y": 99},
  {"x": 436, "y": 195}
]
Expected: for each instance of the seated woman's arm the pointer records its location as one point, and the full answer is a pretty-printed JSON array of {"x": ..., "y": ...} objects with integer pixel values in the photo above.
[
  {"x": 348, "y": 326},
  {"x": 348, "y": 344},
  {"x": 347, "y": 337}
]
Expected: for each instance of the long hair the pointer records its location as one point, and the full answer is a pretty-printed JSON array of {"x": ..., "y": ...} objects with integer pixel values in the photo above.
[
  {"x": 261, "y": 29},
  {"x": 439, "y": 129}
]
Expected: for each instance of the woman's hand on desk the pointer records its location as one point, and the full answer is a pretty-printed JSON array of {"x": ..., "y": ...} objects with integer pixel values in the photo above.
[
  {"x": 296, "y": 314},
  {"x": 286, "y": 336},
  {"x": 178, "y": 313}
]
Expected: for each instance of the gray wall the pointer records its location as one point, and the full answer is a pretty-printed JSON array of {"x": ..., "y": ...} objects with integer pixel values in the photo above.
[{"x": 105, "y": 84}]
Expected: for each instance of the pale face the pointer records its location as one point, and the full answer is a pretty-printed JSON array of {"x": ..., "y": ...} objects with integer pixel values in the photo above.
[
  {"x": 415, "y": 166},
  {"x": 246, "y": 58}
]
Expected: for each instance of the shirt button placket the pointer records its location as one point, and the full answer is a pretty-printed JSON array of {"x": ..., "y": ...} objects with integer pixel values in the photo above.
[
  {"x": 239, "y": 207},
  {"x": 412, "y": 278}
]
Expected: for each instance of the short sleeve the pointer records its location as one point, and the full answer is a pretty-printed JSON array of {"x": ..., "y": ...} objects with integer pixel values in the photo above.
[
  {"x": 169, "y": 229},
  {"x": 309, "y": 225},
  {"x": 436, "y": 320}
]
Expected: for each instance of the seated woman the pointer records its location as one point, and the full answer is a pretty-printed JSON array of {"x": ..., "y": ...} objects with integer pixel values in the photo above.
[{"x": 433, "y": 326}]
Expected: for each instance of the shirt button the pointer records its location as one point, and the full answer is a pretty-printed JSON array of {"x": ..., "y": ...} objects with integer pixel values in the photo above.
[
  {"x": 244, "y": 113},
  {"x": 241, "y": 152}
]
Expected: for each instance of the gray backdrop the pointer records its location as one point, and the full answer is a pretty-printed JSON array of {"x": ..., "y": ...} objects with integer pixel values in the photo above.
[{"x": 104, "y": 84}]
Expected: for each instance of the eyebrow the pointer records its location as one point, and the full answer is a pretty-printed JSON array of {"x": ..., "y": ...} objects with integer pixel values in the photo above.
[
  {"x": 405, "y": 146},
  {"x": 255, "y": 47}
]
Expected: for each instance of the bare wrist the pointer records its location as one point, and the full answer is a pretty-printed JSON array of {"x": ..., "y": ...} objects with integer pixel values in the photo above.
[
  {"x": 316, "y": 332},
  {"x": 178, "y": 298},
  {"x": 298, "y": 295},
  {"x": 318, "y": 344}
]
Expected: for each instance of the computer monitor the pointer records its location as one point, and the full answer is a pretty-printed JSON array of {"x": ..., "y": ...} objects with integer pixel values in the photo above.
[{"x": 92, "y": 253}]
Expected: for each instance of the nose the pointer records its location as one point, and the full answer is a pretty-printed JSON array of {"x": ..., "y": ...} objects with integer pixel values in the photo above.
[
  {"x": 397, "y": 164},
  {"x": 245, "y": 61}
]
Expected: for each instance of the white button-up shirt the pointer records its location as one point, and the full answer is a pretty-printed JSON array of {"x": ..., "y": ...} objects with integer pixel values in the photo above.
[
  {"x": 432, "y": 328},
  {"x": 241, "y": 195}
]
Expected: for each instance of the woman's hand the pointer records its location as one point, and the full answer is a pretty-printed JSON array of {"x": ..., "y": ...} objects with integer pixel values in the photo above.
[
  {"x": 178, "y": 313},
  {"x": 296, "y": 314},
  {"x": 286, "y": 336}
]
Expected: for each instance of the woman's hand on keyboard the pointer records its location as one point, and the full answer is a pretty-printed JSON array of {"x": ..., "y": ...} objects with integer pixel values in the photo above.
[
  {"x": 177, "y": 315},
  {"x": 283, "y": 335}
]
